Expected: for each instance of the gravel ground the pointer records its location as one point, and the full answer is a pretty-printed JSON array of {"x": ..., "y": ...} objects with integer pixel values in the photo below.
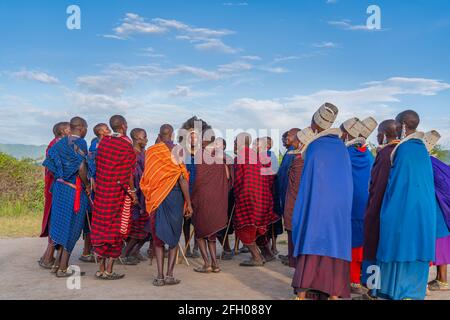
[{"x": 22, "y": 278}]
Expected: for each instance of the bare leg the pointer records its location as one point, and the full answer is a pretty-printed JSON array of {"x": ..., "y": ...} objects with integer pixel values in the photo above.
[
  {"x": 442, "y": 273},
  {"x": 64, "y": 262},
  {"x": 254, "y": 252},
  {"x": 110, "y": 265},
  {"x": 130, "y": 246},
  {"x": 49, "y": 254},
  {"x": 187, "y": 233},
  {"x": 212, "y": 252},
  {"x": 204, "y": 252},
  {"x": 226, "y": 245},
  {"x": 87, "y": 245},
  {"x": 137, "y": 248},
  {"x": 102, "y": 265},
  {"x": 172, "y": 261},
  {"x": 159, "y": 254}
]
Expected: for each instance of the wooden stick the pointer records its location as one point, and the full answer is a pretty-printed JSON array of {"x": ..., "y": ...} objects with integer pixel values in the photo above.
[
  {"x": 189, "y": 241},
  {"x": 182, "y": 253}
]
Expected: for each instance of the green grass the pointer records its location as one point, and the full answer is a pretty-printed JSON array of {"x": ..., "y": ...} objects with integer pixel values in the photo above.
[
  {"x": 21, "y": 197},
  {"x": 18, "y": 220}
]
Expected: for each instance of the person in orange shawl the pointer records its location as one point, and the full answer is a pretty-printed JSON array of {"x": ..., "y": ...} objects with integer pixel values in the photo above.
[{"x": 165, "y": 185}]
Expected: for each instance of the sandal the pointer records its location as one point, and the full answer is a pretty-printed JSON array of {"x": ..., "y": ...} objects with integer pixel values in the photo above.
[
  {"x": 159, "y": 282},
  {"x": 98, "y": 275},
  {"x": 44, "y": 265},
  {"x": 54, "y": 269},
  {"x": 251, "y": 263},
  {"x": 171, "y": 281},
  {"x": 269, "y": 258},
  {"x": 87, "y": 258},
  {"x": 66, "y": 274},
  {"x": 203, "y": 269},
  {"x": 437, "y": 285},
  {"x": 129, "y": 261},
  {"x": 215, "y": 270},
  {"x": 112, "y": 276}
]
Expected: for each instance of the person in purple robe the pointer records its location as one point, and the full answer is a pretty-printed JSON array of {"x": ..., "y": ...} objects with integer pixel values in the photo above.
[
  {"x": 441, "y": 173},
  {"x": 138, "y": 233}
]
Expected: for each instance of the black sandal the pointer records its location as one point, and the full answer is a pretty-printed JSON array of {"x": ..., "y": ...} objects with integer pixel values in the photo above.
[
  {"x": 98, "y": 275},
  {"x": 216, "y": 269},
  {"x": 112, "y": 276},
  {"x": 88, "y": 259}
]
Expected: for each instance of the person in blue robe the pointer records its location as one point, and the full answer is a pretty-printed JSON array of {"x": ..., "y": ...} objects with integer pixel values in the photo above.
[
  {"x": 67, "y": 161},
  {"x": 408, "y": 217},
  {"x": 322, "y": 215}
]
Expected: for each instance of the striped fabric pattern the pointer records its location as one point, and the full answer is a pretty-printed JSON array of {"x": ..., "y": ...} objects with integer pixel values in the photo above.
[
  {"x": 115, "y": 163},
  {"x": 160, "y": 175}
]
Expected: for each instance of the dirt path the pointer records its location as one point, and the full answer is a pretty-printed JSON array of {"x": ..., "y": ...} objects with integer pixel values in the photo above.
[{"x": 21, "y": 278}]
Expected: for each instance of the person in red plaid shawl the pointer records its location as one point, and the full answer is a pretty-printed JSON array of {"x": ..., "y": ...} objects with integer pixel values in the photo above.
[
  {"x": 254, "y": 201},
  {"x": 114, "y": 196}
]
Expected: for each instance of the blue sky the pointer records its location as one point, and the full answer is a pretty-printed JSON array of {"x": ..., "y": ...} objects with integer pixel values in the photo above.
[{"x": 238, "y": 64}]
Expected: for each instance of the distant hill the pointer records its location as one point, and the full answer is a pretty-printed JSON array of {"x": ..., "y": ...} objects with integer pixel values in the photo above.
[{"x": 22, "y": 151}]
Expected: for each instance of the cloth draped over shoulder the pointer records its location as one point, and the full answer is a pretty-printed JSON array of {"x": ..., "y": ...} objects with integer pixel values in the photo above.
[
  {"x": 69, "y": 202},
  {"x": 321, "y": 219},
  {"x": 210, "y": 197},
  {"x": 442, "y": 185},
  {"x": 48, "y": 182},
  {"x": 115, "y": 164},
  {"x": 362, "y": 161},
  {"x": 283, "y": 179},
  {"x": 378, "y": 183},
  {"x": 252, "y": 191},
  {"x": 161, "y": 174},
  {"x": 408, "y": 221}
]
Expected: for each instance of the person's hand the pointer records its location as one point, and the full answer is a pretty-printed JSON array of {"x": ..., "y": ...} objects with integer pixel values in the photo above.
[
  {"x": 188, "y": 211},
  {"x": 88, "y": 190},
  {"x": 134, "y": 199}
]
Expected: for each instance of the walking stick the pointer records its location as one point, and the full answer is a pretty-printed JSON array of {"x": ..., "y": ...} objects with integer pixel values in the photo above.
[
  {"x": 182, "y": 253},
  {"x": 228, "y": 228},
  {"x": 189, "y": 241}
]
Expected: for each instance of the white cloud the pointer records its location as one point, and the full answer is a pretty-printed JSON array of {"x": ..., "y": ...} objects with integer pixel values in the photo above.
[
  {"x": 134, "y": 24},
  {"x": 252, "y": 58},
  {"x": 374, "y": 99},
  {"x": 34, "y": 76},
  {"x": 204, "y": 39},
  {"x": 325, "y": 45}
]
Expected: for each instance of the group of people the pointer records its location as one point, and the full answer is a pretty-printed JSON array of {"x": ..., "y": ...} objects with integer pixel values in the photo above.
[{"x": 355, "y": 223}]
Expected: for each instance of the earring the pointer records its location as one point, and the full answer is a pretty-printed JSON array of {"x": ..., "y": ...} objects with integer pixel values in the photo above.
[
  {"x": 384, "y": 140},
  {"x": 403, "y": 135}
]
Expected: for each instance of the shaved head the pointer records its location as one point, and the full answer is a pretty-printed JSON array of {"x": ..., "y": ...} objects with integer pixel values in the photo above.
[
  {"x": 166, "y": 132},
  {"x": 78, "y": 126},
  {"x": 387, "y": 129},
  {"x": 60, "y": 129},
  {"x": 118, "y": 123},
  {"x": 410, "y": 118}
]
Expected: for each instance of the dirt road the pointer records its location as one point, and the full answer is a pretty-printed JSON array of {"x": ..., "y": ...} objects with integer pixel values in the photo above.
[{"x": 22, "y": 278}]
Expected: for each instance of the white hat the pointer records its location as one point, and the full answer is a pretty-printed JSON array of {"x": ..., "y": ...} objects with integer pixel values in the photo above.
[
  {"x": 305, "y": 135},
  {"x": 368, "y": 126},
  {"x": 430, "y": 139},
  {"x": 326, "y": 115},
  {"x": 353, "y": 126}
]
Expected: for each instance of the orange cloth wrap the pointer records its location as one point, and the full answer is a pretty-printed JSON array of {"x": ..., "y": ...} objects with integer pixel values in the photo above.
[{"x": 161, "y": 174}]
